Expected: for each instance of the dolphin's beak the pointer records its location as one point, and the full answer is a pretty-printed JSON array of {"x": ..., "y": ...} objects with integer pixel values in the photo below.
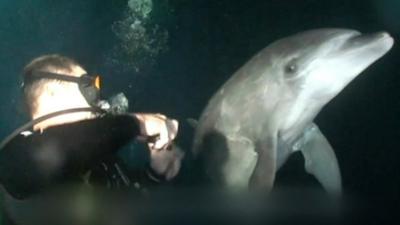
[
  {"x": 381, "y": 40},
  {"x": 351, "y": 53}
]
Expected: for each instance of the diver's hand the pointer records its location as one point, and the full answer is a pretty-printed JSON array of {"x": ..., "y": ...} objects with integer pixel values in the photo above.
[{"x": 161, "y": 130}]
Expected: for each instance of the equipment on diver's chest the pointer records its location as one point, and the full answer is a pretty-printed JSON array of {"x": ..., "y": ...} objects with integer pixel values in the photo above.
[{"x": 88, "y": 85}]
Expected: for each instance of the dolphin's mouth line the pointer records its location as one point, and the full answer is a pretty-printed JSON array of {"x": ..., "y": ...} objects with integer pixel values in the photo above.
[
  {"x": 357, "y": 43},
  {"x": 377, "y": 36},
  {"x": 363, "y": 40}
]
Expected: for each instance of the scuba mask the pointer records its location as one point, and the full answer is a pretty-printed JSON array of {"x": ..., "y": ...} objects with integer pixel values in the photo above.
[{"x": 89, "y": 86}]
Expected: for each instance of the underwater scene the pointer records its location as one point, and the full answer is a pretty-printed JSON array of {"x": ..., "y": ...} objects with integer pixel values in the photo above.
[{"x": 197, "y": 112}]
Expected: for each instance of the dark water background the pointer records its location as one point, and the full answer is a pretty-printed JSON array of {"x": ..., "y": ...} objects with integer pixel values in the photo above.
[{"x": 208, "y": 41}]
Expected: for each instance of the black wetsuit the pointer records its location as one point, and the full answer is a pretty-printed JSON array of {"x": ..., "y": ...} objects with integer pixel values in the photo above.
[{"x": 33, "y": 163}]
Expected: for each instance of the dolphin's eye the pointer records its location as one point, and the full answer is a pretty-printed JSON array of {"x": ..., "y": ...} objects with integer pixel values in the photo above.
[{"x": 291, "y": 68}]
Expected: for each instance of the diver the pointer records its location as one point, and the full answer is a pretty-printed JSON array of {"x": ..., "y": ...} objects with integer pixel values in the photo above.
[{"x": 73, "y": 138}]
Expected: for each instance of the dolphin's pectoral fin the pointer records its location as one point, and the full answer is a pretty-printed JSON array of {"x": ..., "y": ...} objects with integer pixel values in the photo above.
[
  {"x": 240, "y": 162},
  {"x": 263, "y": 176},
  {"x": 320, "y": 160}
]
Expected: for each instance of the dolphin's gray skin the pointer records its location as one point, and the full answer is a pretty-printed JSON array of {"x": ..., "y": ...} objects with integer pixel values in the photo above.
[{"x": 265, "y": 111}]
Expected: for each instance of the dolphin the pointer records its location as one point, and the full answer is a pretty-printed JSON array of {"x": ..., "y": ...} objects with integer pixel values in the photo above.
[{"x": 265, "y": 111}]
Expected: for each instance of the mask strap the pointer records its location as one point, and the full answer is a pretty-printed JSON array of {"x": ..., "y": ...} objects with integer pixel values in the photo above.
[{"x": 56, "y": 76}]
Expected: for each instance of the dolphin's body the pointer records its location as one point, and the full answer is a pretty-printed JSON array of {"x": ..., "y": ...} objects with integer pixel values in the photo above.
[{"x": 265, "y": 111}]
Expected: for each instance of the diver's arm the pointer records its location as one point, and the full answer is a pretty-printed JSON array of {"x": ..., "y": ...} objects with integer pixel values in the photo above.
[{"x": 30, "y": 164}]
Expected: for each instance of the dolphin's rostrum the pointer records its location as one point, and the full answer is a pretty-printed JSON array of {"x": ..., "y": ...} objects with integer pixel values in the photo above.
[{"x": 265, "y": 111}]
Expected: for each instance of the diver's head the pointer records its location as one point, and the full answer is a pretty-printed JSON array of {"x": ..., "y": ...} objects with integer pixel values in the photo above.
[{"x": 47, "y": 95}]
